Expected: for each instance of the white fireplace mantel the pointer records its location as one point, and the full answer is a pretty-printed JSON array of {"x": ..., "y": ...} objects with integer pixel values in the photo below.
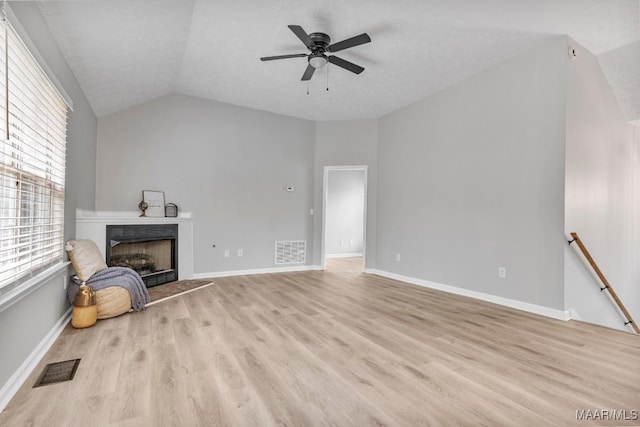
[{"x": 93, "y": 225}]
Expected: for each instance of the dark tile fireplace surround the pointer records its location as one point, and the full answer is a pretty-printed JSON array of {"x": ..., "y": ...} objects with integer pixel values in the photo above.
[{"x": 149, "y": 249}]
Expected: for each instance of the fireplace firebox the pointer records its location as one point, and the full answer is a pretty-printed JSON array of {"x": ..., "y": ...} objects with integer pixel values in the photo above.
[{"x": 149, "y": 249}]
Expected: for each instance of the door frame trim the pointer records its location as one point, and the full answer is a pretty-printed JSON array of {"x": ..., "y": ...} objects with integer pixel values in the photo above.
[{"x": 325, "y": 186}]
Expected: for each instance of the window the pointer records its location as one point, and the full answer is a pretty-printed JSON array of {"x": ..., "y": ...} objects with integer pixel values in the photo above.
[{"x": 33, "y": 127}]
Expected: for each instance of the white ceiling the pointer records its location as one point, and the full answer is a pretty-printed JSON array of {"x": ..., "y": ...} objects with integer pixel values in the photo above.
[{"x": 126, "y": 52}]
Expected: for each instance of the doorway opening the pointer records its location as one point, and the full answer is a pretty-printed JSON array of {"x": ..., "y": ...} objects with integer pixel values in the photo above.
[{"x": 344, "y": 219}]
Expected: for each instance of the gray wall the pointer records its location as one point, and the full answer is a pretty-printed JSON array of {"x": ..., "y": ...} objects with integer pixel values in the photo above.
[
  {"x": 344, "y": 220},
  {"x": 26, "y": 323},
  {"x": 602, "y": 195},
  {"x": 228, "y": 165},
  {"x": 347, "y": 143},
  {"x": 471, "y": 179}
]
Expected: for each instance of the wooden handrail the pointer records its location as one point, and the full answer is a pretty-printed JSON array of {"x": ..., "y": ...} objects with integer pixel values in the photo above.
[{"x": 605, "y": 282}]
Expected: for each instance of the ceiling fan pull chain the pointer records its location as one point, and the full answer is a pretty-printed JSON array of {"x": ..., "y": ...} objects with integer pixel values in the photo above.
[{"x": 328, "y": 77}]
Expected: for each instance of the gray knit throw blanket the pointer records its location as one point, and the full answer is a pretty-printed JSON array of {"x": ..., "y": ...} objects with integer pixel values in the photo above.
[{"x": 115, "y": 276}]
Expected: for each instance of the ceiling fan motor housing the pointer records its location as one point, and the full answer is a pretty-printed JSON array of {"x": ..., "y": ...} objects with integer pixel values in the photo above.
[{"x": 321, "y": 40}]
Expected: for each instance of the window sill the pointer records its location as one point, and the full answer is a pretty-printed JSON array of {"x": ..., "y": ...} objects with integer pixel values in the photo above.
[{"x": 24, "y": 289}]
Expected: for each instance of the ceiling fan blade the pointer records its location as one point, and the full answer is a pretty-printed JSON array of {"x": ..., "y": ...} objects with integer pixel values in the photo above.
[
  {"x": 350, "y": 66},
  {"x": 353, "y": 41},
  {"x": 271, "y": 58},
  {"x": 302, "y": 35},
  {"x": 308, "y": 73}
]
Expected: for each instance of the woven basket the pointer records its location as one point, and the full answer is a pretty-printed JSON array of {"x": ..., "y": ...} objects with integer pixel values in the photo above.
[{"x": 112, "y": 301}]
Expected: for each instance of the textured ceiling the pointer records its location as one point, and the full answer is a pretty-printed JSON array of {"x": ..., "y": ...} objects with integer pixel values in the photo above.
[{"x": 126, "y": 52}]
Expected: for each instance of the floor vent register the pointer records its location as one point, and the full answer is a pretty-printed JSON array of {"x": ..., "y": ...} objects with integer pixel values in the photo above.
[{"x": 58, "y": 372}]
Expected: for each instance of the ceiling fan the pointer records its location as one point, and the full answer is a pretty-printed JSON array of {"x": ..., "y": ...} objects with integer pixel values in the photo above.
[{"x": 319, "y": 45}]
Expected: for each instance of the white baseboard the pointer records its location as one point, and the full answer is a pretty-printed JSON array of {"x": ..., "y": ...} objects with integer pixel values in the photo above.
[
  {"x": 507, "y": 302},
  {"x": 256, "y": 271},
  {"x": 351, "y": 255},
  {"x": 18, "y": 378}
]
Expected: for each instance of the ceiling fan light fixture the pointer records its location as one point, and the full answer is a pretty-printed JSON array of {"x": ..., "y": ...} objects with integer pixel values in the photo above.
[{"x": 318, "y": 61}]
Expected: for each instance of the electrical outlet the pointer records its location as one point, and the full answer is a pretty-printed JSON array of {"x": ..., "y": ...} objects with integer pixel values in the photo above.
[
  {"x": 502, "y": 272},
  {"x": 397, "y": 257},
  {"x": 240, "y": 252},
  {"x": 226, "y": 253},
  {"x": 341, "y": 242},
  {"x": 350, "y": 242}
]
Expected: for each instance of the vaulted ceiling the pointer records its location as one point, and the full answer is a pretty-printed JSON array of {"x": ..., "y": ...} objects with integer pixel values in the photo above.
[{"x": 126, "y": 52}]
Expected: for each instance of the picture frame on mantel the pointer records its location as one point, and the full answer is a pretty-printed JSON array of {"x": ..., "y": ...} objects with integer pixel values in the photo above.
[{"x": 155, "y": 203}]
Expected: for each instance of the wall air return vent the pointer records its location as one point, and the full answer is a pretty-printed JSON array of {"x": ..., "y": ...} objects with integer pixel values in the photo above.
[{"x": 291, "y": 251}]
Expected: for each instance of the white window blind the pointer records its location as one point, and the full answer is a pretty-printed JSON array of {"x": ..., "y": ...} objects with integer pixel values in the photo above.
[{"x": 33, "y": 128}]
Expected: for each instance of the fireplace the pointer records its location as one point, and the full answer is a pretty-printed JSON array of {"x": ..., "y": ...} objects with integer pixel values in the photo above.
[{"x": 149, "y": 249}]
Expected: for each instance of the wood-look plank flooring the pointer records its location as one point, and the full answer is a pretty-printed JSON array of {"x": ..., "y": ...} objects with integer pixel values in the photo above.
[{"x": 333, "y": 348}]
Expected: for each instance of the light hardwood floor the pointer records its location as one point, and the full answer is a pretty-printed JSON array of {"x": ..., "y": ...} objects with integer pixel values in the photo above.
[{"x": 333, "y": 348}]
